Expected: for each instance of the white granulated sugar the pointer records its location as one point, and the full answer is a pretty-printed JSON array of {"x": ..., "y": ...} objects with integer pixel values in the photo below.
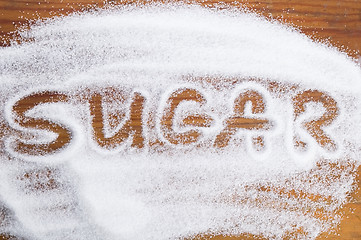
[{"x": 175, "y": 191}]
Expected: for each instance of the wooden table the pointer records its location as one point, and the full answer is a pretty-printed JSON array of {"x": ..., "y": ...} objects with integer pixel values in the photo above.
[{"x": 336, "y": 21}]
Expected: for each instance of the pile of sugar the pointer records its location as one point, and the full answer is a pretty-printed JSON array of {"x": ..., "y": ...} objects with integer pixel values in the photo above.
[{"x": 123, "y": 194}]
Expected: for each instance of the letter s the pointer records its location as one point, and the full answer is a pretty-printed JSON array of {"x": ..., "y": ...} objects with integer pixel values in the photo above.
[{"x": 27, "y": 103}]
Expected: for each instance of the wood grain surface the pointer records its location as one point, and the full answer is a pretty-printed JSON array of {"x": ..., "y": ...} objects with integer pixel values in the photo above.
[{"x": 336, "y": 21}]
